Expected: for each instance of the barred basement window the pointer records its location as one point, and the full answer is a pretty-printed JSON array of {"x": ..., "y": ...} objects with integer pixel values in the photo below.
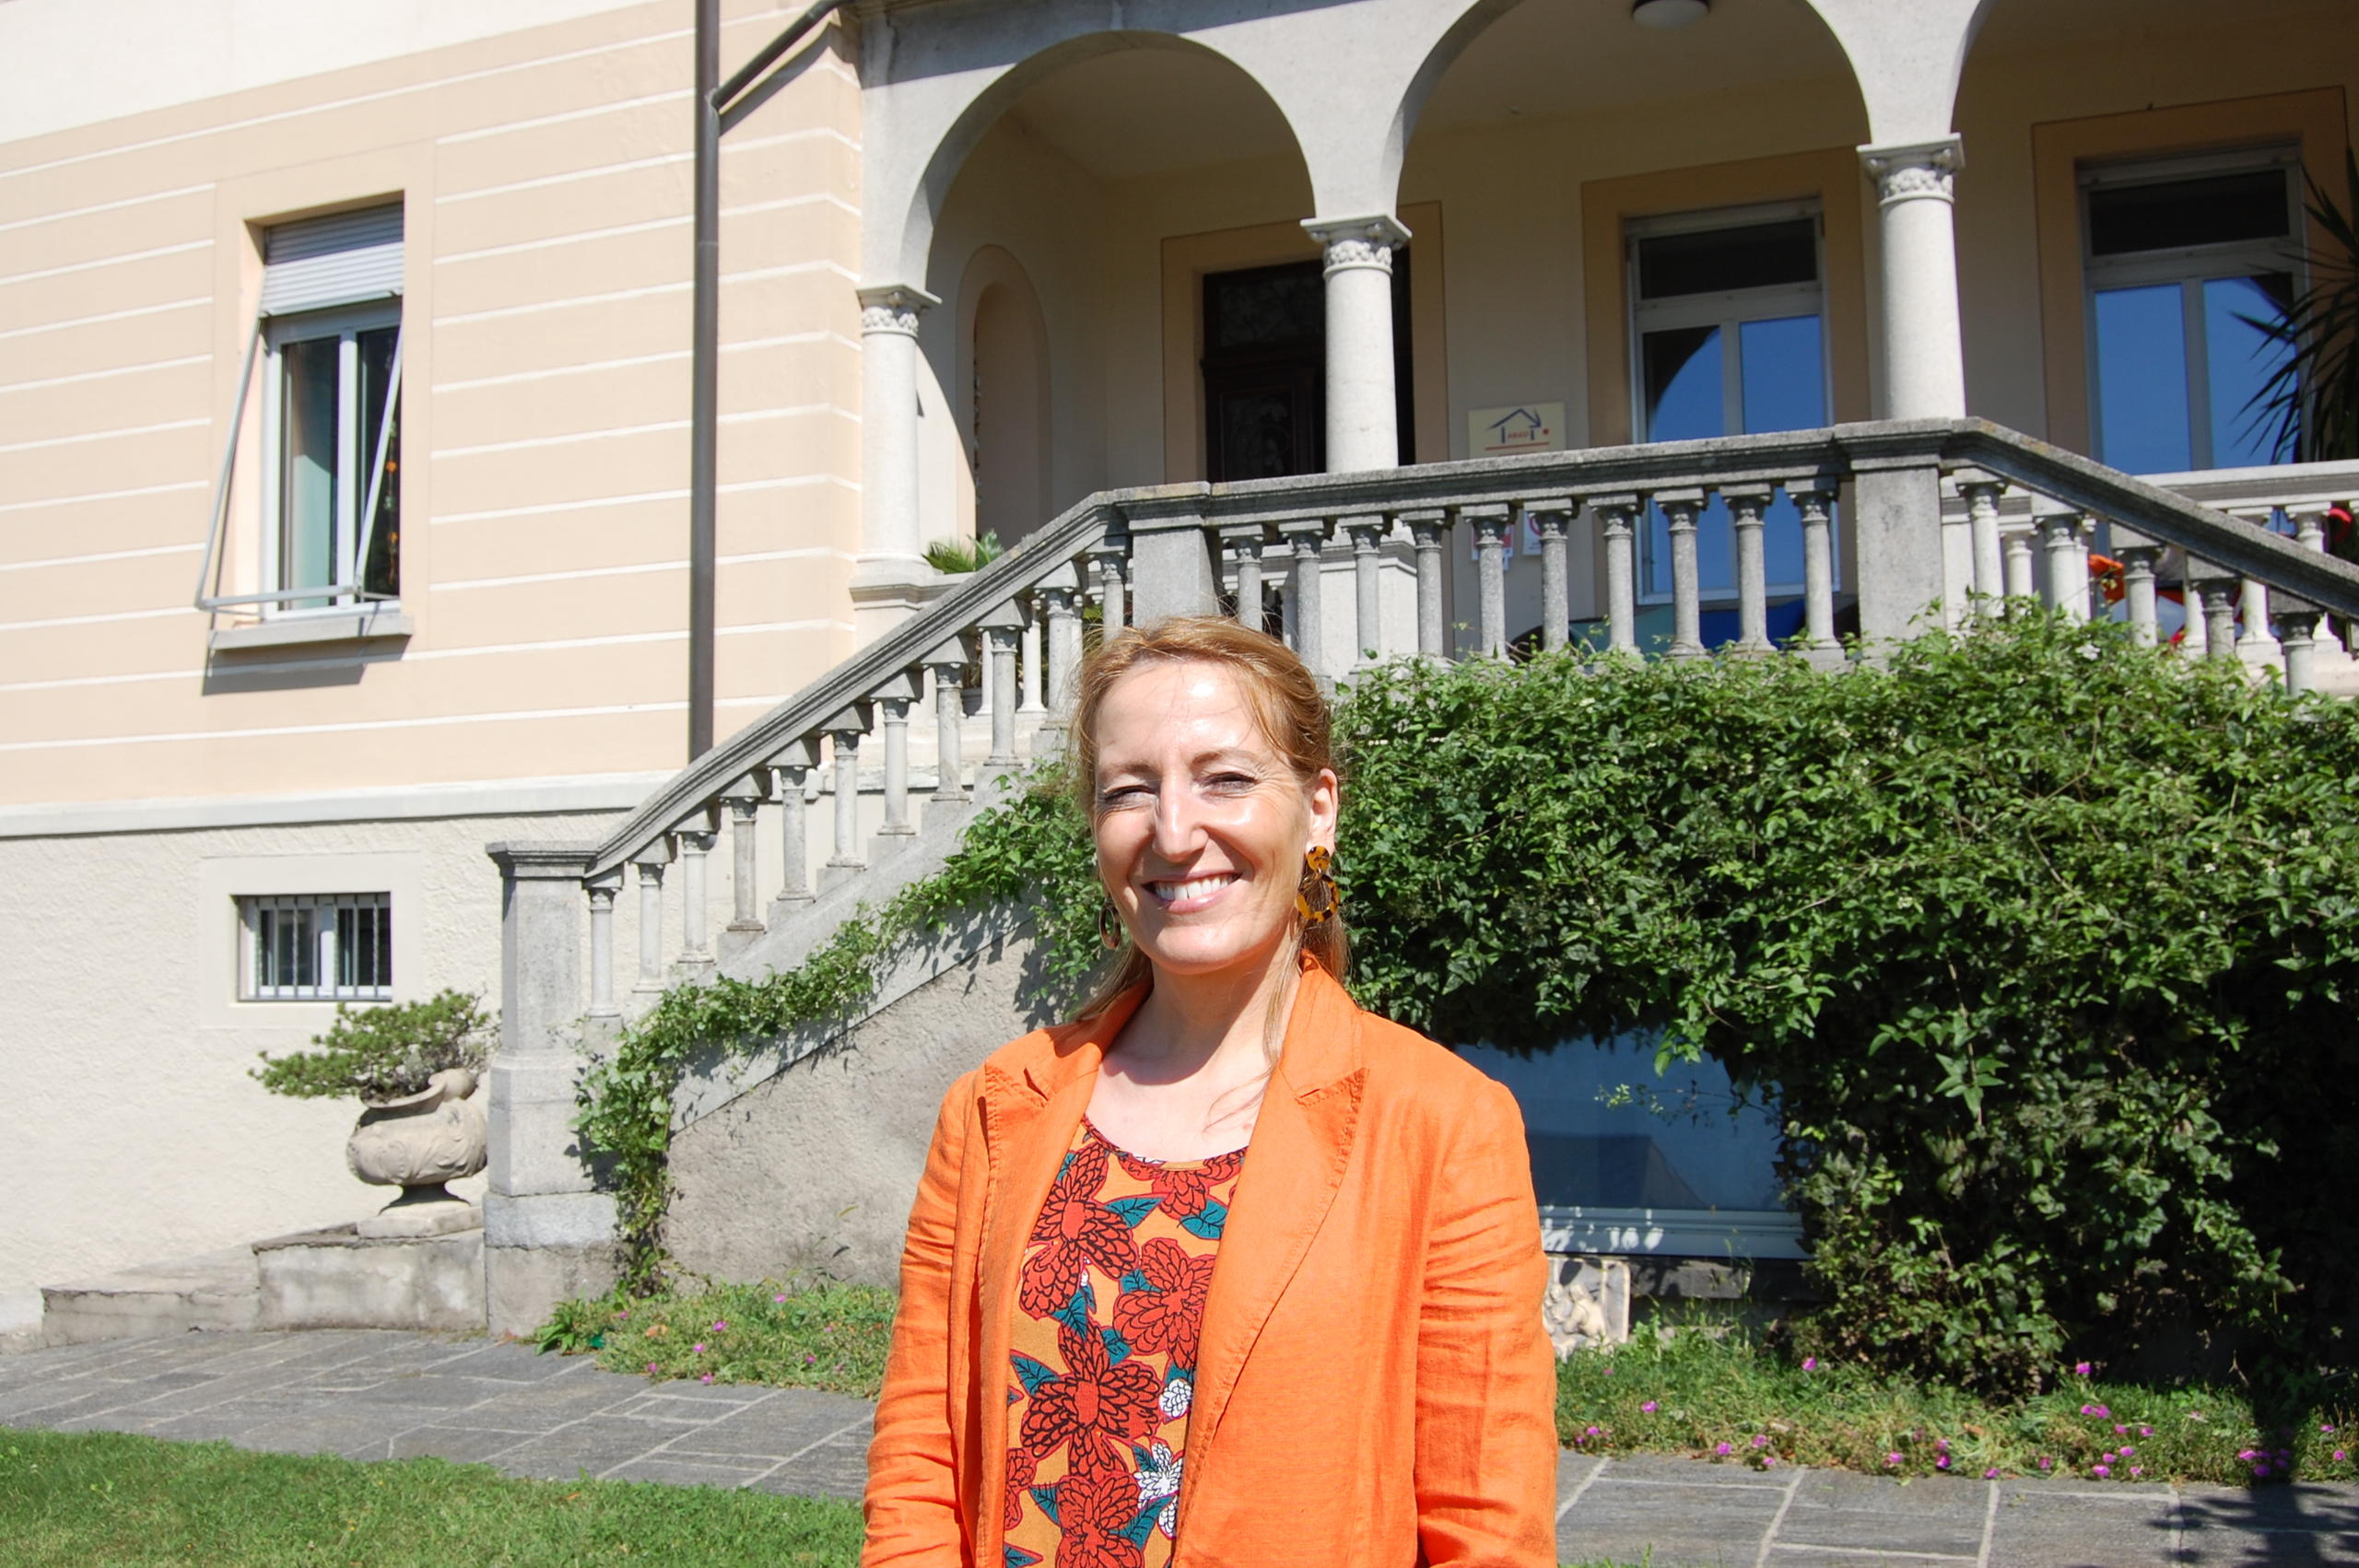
[{"x": 316, "y": 947}]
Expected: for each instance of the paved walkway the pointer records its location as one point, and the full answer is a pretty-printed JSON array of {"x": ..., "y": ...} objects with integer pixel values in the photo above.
[{"x": 377, "y": 1396}]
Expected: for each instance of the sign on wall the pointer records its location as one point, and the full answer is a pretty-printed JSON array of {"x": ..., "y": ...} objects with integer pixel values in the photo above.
[{"x": 1518, "y": 428}]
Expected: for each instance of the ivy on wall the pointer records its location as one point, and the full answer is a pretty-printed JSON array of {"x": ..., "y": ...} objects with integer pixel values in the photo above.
[{"x": 2041, "y": 944}]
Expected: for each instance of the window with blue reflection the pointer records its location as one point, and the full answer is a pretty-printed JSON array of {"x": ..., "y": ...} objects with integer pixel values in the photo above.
[{"x": 2188, "y": 267}]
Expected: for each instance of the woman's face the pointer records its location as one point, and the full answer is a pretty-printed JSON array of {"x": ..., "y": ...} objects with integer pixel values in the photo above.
[{"x": 1200, "y": 824}]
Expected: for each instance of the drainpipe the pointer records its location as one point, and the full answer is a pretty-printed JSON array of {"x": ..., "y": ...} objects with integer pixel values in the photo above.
[{"x": 718, "y": 106}]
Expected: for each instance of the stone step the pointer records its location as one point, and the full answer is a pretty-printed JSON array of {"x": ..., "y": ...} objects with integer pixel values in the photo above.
[{"x": 219, "y": 1291}]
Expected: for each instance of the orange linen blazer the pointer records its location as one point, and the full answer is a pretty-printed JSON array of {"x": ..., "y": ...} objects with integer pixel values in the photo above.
[{"x": 1374, "y": 1386}]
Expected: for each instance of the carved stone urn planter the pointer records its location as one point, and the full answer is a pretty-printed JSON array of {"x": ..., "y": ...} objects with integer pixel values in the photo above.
[{"x": 418, "y": 1142}]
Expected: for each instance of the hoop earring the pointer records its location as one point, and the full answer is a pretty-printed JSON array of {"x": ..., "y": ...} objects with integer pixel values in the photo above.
[
  {"x": 1317, "y": 900},
  {"x": 1109, "y": 924}
]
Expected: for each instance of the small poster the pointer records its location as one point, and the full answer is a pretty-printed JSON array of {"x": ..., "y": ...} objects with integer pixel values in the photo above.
[{"x": 1518, "y": 428}]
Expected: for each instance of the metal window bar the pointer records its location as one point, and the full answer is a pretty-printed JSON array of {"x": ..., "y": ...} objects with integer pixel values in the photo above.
[{"x": 318, "y": 947}]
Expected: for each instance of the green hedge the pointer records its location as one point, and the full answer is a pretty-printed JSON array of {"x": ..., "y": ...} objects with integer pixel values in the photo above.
[{"x": 2039, "y": 944}]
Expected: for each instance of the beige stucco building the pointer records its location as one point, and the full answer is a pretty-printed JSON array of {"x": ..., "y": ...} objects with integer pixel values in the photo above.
[{"x": 345, "y": 409}]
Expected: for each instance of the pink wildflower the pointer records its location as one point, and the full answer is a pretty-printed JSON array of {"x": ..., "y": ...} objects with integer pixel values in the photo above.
[
  {"x": 780, "y": 1298},
  {"x": 1768, "y": 1461},
  {"x": 1892, "y": 1459},
  {"x": 706, "y": 1378},
  {"x": 1942, "y": 1461},
  {"x": 2137, "y": 1471},
  {"x": 2079, "y": 1369},
  {"x": 2340, "y": 1456},
  {"x": 1810, "y": 1364},
  {"x": 1991, "y": 1474},
  {"x": 2100, "y": 1471},
  {"x": 2127, "y": 1452},
  {"x": 696, "y": 1350},
  {"x": 2044, "y": 1463},
  {"x": 651, "y": 1369},
  {"x": 721, "y": 1325},
  {"x": 1760, "y": 1440},
  {"x": 1647, "y": 1409},
  {"x": 1723, "y": 1450}
]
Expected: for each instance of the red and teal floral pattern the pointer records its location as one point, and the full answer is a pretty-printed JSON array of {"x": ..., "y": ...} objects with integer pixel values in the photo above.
[{"x": 1112, "y": 1298}]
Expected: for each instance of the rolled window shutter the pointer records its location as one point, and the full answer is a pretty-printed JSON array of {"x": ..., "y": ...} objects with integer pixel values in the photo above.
[{"x": 343, "y": 259}]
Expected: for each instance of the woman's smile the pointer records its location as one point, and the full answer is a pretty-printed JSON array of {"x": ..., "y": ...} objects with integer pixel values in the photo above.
[{"x": 1199, "y": 892}]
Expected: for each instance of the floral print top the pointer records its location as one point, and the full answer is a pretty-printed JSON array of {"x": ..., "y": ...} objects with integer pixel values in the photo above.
[{"x": 1111, "y": 1305}]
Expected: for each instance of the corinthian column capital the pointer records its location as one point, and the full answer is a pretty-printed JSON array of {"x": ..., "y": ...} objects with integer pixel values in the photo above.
[
  {"x": 893, "y": 307},
  {"x": 1906, "y": 171},
  {"x": 1357, "y": 241}
]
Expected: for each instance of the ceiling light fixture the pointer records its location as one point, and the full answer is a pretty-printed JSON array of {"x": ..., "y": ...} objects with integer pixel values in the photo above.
[{"x": 1664, "y": 15}]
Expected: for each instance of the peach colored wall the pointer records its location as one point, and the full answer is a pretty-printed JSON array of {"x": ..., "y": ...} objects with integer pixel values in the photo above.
[{"x": 545, "y": 175}]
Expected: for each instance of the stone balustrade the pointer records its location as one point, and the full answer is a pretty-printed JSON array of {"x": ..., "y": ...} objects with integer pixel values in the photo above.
[{"x": 1015, "y": 630}]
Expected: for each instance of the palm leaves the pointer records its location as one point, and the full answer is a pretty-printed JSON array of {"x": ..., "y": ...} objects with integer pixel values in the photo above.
[{"x": 2313, "y": 397}]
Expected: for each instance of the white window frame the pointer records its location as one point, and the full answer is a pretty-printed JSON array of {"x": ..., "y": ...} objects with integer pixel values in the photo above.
[
  {"x": 1729, "y": 310},
  {"x": 2189, "y": 266},
  {"x": 362, "y": 473},
  {"x": 326, "y": 987}
]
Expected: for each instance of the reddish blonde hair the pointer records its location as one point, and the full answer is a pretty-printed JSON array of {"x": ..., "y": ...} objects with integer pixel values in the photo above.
[{"x": 1288, "y": 710}]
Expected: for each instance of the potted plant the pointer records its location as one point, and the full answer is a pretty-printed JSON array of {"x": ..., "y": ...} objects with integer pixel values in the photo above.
[{"x": 414, "y": 1066}]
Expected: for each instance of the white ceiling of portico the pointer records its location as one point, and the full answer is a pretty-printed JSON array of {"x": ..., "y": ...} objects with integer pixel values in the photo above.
[
  {"x": 1144, "y": 111},
  {"x": 1565, "y": 56}
]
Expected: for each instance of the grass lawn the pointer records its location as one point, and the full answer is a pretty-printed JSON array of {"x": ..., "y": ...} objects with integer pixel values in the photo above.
[
  {"x": 88, "y": 1499},
  {"x": 1708, "y": 1391},
  {"x": 109, "y": 1500}
]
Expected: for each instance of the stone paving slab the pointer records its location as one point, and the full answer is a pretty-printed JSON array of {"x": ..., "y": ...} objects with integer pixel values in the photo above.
[{"x": 371, "y": 1394}]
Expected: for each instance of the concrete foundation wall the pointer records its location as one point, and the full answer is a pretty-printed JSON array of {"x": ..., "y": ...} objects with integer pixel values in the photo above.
[{"x": 816, "y": 1167}]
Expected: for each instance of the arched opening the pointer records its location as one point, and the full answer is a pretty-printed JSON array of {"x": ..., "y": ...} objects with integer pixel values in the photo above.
[
  {"x": 1103, "y": 183},
  {"x": 1003, "y": 385}
]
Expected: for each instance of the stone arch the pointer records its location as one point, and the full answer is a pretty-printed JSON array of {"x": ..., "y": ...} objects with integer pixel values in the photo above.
[{"x": 910, "y": 242}]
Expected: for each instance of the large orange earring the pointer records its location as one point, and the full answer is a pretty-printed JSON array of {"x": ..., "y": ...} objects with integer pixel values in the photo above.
[{"x": 1316, "y": 900}]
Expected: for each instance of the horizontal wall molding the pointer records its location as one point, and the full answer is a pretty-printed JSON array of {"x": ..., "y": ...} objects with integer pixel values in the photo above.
[{"x": 506, "y": 797}]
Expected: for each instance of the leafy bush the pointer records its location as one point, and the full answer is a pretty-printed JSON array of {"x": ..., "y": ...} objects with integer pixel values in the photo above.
[
  {"x": 2042, "y": 944},
  {"x": 795, "y": 1335},
  {"x": 383, "y": 1053}
]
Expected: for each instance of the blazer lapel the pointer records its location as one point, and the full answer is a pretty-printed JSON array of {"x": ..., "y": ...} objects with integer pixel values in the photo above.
[{"x": 1301, "y": 1146}]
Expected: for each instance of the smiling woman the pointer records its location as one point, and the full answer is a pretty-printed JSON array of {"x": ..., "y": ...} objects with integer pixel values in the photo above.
[{"x": 1228, "y": 1256}]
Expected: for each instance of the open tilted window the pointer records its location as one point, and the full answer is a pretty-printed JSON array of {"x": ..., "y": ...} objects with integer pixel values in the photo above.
[{"x": 326, "y": 427}]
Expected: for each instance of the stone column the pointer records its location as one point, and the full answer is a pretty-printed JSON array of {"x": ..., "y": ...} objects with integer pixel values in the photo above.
[
  {"x": 1109, "y": 555},
  {"x": 1814, "y": 499},
  {"x": 2015, "y": 545},
  {"x": 1029, "y": 661},
  {"x": 1746, "y": 504},
  {"x": 1981, "y": 491},
  {"x": 651, "y": 862},
  {"x": 1245, "y": 540},
  {"x": 893, "y": 700},
  {"x": 948, "y": 665},
  {"x": 602, "y": 945},
  {"x": 1366, "y": 534},
  {"x": 890, "y": 550},
  {"x": 744, "y": 800},
  {"x": 1363, "y": 428},
  {"x": 1489, "y": 522},
  {"x": 2255, "y": 645},
  {"x": 2138, "y": 555},
  {"x": 1427, "y": 531},
  {"x": 1059, "y": 595},
  {"x": 1551, "y": 518},
  {"x": 999, "y": 679},
  {"x": 1617, "y": 522},
  {"x": 1924, "y": 354},
  {"x": 844, "y": 731},
  {"x": 2300, "y": 650},
  {"x": 2309, "y": 531},
  {"x": 1680, "y": 510},
  {"x": 1308, "y": 538},
  {"x": 696, "y": 951},
  {"x": 791, "y": 765},
  {"x": 546, "y": 1234}
]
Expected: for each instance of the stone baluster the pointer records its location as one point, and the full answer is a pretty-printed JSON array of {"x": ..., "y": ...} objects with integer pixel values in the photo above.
[
  {"x": 1617, "y": 522},
  {"x": 1428, "y": 532},
  {"x": 843, "y": 732},
  {"x": 1368, "y": 588},
  {"x": 1489, "y": 524},
  {"x": 2068, "y": 576},
  {"x": 696, "y": 950},
  {"x": 744, "y": 800},
  {"x": 2255, "y": 645},
  {"x": 1000, "y": 629},
  {"x": 1958, "y": 566},
  {"x": 948, "y": 664},
  {"x": 1552, "y": 519},
  {"x": 1989, "y": 574},
  {"x": 790, "y": 766},
  {"x": 893, "y": 699},
  {"x": 601, "y": 890},
  {"x": 1680, "y": 508},
  {"x": 2299, "y": 645},
  {"x": 651, "y": 862},
  {"x": 2215, "y": 591},
  {"x": 1306, "y": 537},
  {"x": 1747, "y": 503},
  {"x": 1059, "y": 595},
  {"x": 1244, "y": 541},
  {"x": 1028, "y": 660},
  {"x": 2014, "y": 543},
  {"x": 1108, "y": 555},
  {"x": 2309, "y": 531},
  {"x": 1814, "y": 499},
  {"x": 2139, "y": 555}
]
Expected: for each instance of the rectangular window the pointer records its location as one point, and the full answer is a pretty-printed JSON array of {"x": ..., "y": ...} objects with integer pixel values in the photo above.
[
  {"x": 1729, "y": 326},
  {"x": 315, "y": 947},
  {"x": 329, "y": 334},
  {"x": 2190, "y": 268}
]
